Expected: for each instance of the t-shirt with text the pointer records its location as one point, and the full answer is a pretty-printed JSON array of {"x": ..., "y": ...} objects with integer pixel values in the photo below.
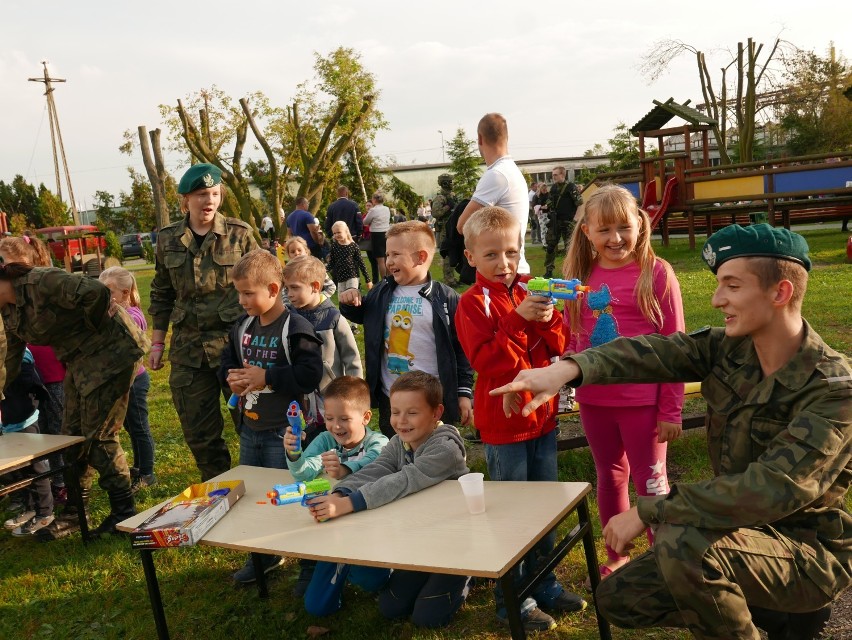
[{"x": 409, "y": 336}]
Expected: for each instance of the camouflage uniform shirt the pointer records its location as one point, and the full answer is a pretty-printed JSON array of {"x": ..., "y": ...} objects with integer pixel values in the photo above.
[
  {"x": 779, "y": 445},
  {"x": 192, "y": 288},
  {"x": 71, "y": 314}
]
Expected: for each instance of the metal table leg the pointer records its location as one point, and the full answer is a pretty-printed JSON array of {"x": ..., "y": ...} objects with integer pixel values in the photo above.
[
  {"x": 592, "y": 565},
  {"x": 512, "y": 601},
  {"x": 154, "y": 593}
]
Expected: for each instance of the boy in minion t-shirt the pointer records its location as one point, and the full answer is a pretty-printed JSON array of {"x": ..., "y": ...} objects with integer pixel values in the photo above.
[
  {"x": 271, "y": 359},
  {"x": 409, "y": 325}
]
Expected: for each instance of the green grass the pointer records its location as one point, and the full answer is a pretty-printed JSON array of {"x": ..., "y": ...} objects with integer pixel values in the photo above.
[{"x": 67, "y": 590}]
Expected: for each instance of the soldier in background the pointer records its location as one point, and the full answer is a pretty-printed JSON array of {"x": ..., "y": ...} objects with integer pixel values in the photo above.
[
  {"x": 100, "y": 346},
  {"x": 442, "y": 207},
  {"x": 192, "y": 290},
  {"x": 767, "y": 541},
  {"x": 561, "y": 209}
]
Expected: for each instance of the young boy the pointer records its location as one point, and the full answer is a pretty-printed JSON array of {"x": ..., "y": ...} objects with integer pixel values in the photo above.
[
  {"x": 303, "y": 277},
  {"x": 503, "y": 331},
  {"x": 767, "y": 541},
  {"x": 343, "y": 448},
  {"x": 436, "y": 452},
  {"x": 272, "y": 358},
  {"x": 409, "y": 324}
]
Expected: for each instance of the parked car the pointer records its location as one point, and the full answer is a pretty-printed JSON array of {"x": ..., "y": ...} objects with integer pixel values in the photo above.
[
  {"x": 131, "y": 244},
  {"x": 83, "y": 242}
]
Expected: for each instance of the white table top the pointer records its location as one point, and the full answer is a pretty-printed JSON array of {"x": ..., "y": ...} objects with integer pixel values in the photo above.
[
  {"x": 428, "y": 531},
  {"x": 19, "y": 449}
]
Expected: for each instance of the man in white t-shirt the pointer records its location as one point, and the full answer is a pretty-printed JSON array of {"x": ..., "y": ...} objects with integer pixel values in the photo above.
[
  {"x": 502, "y": 184},
  {"x": 267, "y": 227}
]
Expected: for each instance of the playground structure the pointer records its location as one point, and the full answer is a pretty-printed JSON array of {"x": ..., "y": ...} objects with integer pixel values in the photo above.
[{"x": 682, "y": 193}]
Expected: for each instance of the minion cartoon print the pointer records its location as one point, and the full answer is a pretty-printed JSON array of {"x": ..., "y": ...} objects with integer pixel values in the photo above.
[{"x": 397, "y": 339}]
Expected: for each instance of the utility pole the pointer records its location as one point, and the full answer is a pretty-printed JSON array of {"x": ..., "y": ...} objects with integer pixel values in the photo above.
[
  {"x": 443, "y": 157},
  {"x": 55, "y": 134}
]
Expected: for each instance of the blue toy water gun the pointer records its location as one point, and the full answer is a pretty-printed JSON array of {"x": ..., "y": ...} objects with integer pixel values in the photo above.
[
  {"x": 297, "y": 423},
  {"x": 282, "y": 494},
  {"x": 234, "y": 401},
  {"x": 557, "y": 289}
]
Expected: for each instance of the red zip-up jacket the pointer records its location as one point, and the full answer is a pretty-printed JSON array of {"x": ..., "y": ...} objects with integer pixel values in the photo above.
[{"x": 499, "y": 343}]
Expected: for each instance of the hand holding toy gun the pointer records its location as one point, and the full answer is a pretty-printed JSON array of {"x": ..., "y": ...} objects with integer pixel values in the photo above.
[
  {"x": 556, "y": 289},
  {"x": 297, "y": 423},
  {"x": 282, "y": 494}
]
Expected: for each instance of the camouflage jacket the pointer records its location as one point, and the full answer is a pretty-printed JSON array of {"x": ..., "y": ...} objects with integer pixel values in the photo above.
[
  {"x": 780, "y": 446},
  {"x": 71, "y": 314},
  {"x": 442, "y": 205},
  {"x": 192, "y": 288}
]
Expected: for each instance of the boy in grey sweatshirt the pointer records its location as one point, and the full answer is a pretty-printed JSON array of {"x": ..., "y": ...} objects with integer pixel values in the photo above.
[{"x": 423, "y": 453}]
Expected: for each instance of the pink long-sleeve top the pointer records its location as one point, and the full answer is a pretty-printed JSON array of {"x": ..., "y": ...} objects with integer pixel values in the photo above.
[{"x": 608, "y": 311}]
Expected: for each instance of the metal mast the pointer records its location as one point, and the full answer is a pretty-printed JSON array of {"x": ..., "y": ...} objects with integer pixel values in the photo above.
[{"x": 56, "y": 134}]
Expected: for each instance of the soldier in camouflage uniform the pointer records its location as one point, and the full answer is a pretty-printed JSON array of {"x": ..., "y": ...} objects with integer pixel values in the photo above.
[
  {"x": 101, "y": 348},
  {"x": 442, "y": 208},
  {"x": 768, "y": 539},
  {"x": 561, "y": 208},
  {"x": 192, "y": 290}
]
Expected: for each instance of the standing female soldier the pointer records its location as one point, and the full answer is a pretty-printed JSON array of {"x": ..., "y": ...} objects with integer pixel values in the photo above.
[
  {"x": 192, "y": 289},
  {"x": 101, "y": 348}
]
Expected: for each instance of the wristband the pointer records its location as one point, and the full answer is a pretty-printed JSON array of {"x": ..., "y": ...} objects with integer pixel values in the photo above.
[{"x": 158, "y": 346}]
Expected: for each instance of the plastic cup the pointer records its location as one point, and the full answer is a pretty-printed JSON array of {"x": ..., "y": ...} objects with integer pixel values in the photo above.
[{"x": 473, "y": 488}]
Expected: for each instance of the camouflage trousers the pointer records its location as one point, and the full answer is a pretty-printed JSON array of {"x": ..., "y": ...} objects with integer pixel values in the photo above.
[
  {"x": 98, "y": 417},
  {"x": 196, "y": 394},
  {"x": 449, "y": 273},
  {"x": 706, "y": 580},
  {"x": 556, "y": 230}
]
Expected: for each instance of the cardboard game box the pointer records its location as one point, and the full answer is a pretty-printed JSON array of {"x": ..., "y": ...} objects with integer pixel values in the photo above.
[{"x": 184, "y": 520}]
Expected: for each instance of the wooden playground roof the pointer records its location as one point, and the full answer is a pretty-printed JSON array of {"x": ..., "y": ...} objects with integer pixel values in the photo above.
[{"x": 663, "y": 112}]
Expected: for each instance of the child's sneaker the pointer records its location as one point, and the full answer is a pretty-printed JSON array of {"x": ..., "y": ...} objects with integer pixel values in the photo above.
[
  {"x": 534, "y": 620},
  {"x": 246, "y": 575},
  {"x": 32, "y": 525},
  {"x": 142, "y": 482},
  {"x": 16, "y": 521}
]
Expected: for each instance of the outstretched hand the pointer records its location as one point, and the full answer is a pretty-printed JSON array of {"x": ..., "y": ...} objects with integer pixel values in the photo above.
[{"x": 543, "y": 383}]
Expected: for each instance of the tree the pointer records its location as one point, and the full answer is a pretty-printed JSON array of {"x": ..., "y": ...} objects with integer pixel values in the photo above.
[
  {"x": 623, "y": 149},
  {"x": 152, "y": 157},
  {"x": 21, "y": 197},
  {"x": 815, "y": 114},
  {"x": 334, "y": 108},
  {"x": 407, "y": 200},
  {"x": 361, "y": 171},
  {"x": 465, "y": 164},
  {"x": 750, "y": 77},
  {"x": 104, "y": 203},
  {"x": 54, "y": 212},
  {"x": 139, "y": 212}
]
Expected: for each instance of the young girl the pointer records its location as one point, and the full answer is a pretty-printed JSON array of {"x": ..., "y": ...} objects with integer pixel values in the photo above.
[
  {"x": 32, "y": 251},
  {"x": 632, "y": 293},
  {"x": 20, "y": 415},
  {"x": 122, "y": 285},
  {"x": 295, "y": 247},
  {"x": 345, "y": 259}
]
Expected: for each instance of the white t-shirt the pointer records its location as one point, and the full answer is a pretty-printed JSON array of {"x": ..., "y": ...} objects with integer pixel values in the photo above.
[
  {"x": 503, "y": 185},
  {"x": 409, "y": 336},
  {"x": 266, "y": 223}
]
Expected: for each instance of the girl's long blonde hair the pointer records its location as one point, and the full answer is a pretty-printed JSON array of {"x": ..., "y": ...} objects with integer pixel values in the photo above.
[
  {"x": 125, "y": 280},
  {"x": 613, "y": 204},
  {"x": 347, "y": 235}
]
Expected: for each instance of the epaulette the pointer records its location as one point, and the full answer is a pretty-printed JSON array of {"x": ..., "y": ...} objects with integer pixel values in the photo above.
[
  {"x": 236, "y": 222},
  {"x": 698, "y": 332}
]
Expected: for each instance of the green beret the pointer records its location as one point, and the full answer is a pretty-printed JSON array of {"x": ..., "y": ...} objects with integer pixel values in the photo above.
[
  {"x": 757, "y": 240},
  {"x": 199, "y": 176}
]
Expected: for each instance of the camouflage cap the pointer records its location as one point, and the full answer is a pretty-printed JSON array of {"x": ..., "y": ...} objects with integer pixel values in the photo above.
[
  {"x": 199, "y": 176},
  {"x": 757, "y": 240},
  {"x": 445, "y": 180}
]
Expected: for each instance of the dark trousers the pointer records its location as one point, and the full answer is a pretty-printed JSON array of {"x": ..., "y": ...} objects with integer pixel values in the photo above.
[
  {"x": 431, "y": 599},
  {"x": 384, "y": 416},
  {"x": 556, "y": 230},
  {"x": 50, "y": 422}
]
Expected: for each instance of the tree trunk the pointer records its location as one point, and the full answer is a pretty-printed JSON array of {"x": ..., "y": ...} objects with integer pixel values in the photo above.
[
  {"x": 156, "y": 173},
  {"x": 277, "y": 192},
  {"x": 358, "y": 170}
]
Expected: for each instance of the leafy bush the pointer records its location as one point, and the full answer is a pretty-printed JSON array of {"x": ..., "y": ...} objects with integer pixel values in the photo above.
[
  {"x": 147, "y": 251},
  {"x": 113, "y": 246}
]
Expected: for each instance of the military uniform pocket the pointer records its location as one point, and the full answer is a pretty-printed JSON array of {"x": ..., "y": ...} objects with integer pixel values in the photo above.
[
  {"x": 763, "y": 432},
  {"x": 224, "y": 261}
]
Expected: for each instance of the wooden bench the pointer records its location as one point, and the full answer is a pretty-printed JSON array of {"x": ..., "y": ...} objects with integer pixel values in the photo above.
[{"x": 690, "y": 421}]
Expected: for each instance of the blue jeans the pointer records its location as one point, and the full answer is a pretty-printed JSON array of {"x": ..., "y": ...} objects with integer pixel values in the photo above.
[
  {"x": 136, "y": 423},
  {"x": 324, "y": 595},
  {"x": 263, "y": 448},
  {"x": 534, "y": 461}
]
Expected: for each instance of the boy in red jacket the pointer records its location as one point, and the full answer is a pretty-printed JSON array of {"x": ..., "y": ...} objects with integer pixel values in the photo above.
[{"x": 502, "y": 331}]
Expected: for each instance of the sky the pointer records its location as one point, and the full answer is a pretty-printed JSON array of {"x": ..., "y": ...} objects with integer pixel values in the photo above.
[{"x": 564, "y": 74}]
